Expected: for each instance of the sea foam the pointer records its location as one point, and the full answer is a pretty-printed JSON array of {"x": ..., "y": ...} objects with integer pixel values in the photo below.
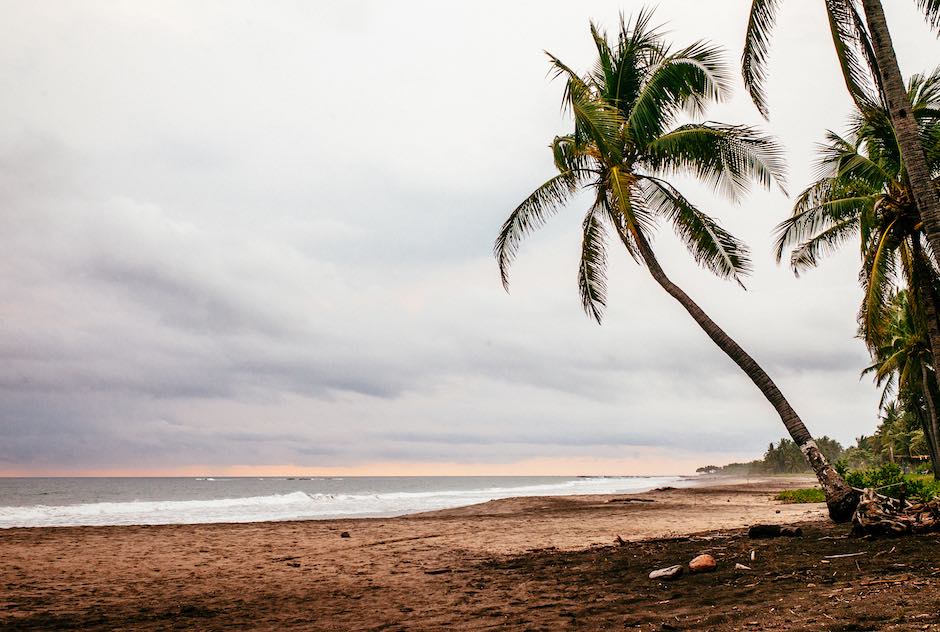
[{"x": 299, "y": 505}]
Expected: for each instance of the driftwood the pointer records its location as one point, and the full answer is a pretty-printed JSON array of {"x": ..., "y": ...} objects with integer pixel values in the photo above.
[
  {"x": 631, "y": 500},
  {"x": 881, "y": 515},
  {"x": 773, "y": 531}
]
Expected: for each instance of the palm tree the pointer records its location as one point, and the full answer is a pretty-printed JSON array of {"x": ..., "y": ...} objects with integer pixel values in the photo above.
[
  {"x": 625, "y": 144},
  {"x": 862, "y": 192},
  {"x": 865, "y": 52},
  {"x": 862, "y": 189},
  {"x": 902, "y": 366}
]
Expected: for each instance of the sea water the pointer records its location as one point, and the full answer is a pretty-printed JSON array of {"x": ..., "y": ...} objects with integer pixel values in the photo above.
[{"x": 43, "y": 502}]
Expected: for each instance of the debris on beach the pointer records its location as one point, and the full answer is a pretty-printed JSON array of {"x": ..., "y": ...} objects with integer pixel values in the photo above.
[
  {"x": 670, "y": 572},
  {"x": 704, "y": 563},
  {"x": 773, "y": 531},
  {"x": 344, "y": 534},
  {"x": 741, "y": 567},
  {"x": 882, "y": 515},
  {"x": 630, "y": 500}
]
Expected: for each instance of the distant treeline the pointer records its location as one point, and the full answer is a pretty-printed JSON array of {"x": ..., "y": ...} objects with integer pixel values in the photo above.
[
  {"x": 898, "y": 439},
  {"x": 783, "y": 458}
]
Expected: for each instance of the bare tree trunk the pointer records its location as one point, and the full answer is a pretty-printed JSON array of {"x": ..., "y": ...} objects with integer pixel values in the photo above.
[
  {"x": 905, "y": 125},
  {"x": 840, "y": 498}
]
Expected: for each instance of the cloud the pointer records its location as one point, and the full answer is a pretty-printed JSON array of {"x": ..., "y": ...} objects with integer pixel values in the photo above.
[{"x": 267, "y": 241}]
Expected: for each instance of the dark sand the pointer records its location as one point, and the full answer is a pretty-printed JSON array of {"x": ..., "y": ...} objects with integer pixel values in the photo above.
[{"x": 518, "y": 564}]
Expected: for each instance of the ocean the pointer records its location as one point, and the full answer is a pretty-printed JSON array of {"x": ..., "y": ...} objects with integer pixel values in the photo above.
[{"x": 46, "y": 502}]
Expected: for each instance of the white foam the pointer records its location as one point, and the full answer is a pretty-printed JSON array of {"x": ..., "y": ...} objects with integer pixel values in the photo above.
[{"x": 299, "y": 505}]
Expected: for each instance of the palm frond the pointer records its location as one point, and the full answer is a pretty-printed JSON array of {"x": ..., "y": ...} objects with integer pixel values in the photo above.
[
  {"x": 569, "y": 155},
  {"x": 560, "y": 70},
  {"x": 823, "y": 205},
  {"x": 684, "y": 81},
  {"x": 639, "y": 46},
  {"x": 712, "y": 247},
  {"x": 854, "y": 52},
  {"x": 807, "y": 254},
  {"x": 924, "y": 90},
  {"x": 604, "y": 71},
  {"x": 592, "y": 270},
  {"x": 595, "y": 120},
  {"x": 877, "y": 276},
  {"x": 840, "y": 158},
  {"x": 760, "y": 24},
  {"x": 931, "y": 9},
  {"x": 729, "y": 157},
  {"x": 530, "y": 215}
]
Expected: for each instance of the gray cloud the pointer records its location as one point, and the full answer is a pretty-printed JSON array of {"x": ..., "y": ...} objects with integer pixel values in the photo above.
[{"x": 260, "y": 242}]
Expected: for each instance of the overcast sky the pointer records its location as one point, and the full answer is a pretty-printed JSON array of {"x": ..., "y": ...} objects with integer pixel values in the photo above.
[{"x": 256, "y": 237}]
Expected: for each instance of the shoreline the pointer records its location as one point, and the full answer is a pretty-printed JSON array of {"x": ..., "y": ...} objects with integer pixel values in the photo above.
[
  {"x": 238, "y": 508},
  {"x": 672, "y": 496},
  {"x": 527, "y": 564}
]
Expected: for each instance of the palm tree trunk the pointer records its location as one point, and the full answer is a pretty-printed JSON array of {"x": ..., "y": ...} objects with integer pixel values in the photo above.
[
  {"x": 929, "y": 380},
  {"x": 840, "y": 498},
  {"x": 925, "y": 195},
  {"x": 930, "y": 424},
  {"x": 905, "y": 125},
  {"x": 922, "y": 281}
]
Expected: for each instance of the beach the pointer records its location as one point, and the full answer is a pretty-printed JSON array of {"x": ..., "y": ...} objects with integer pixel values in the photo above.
[{"x": 536, "y": 563}]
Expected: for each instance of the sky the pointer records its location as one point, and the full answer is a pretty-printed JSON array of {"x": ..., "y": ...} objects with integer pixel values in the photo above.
[{"x": 253, "y": 238}]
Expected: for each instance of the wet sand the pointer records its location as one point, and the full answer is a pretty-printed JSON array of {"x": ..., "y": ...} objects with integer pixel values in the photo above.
[{"x": 544, "y": 563}]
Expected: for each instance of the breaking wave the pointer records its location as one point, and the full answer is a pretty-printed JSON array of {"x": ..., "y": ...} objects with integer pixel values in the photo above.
[{"x": 298, "y": 505}]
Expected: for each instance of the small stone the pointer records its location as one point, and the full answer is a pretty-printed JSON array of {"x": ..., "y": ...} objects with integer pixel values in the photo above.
[
  {"x": 344, "y": 534},
  {"x": 811, "y": 585},
  {"x": 777, "y": 511},
  {"x": 741, "y": 567},
  {"x": 703, "y": 564},
  {"x": 670, "y": 572}
]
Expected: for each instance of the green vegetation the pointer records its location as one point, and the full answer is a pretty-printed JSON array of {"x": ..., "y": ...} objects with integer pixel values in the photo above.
[
  {"x": 890, "y": 480},
  {"x": 899, "y": 438},
  {"x": 802, "y": 495},
  {"x": 783, "y": 458}
]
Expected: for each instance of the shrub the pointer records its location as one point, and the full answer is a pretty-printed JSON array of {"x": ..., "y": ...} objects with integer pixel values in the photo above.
[
  {"x": 802, "y": 495},
  {"x": 889, "y": 480}
]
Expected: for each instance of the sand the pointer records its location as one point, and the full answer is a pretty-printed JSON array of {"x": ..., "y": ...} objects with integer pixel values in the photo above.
[{"x": 518, "y": 564}]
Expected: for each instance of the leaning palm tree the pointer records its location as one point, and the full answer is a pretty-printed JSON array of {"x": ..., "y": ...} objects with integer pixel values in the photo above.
[
  {"x": 625, "y": 145},
  {"x": 872, "y": 74}
]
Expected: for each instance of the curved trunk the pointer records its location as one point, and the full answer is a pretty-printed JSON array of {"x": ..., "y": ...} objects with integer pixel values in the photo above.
[
  {"x": 905, "y": 125},
  {"x": 840, "y": 498}
]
